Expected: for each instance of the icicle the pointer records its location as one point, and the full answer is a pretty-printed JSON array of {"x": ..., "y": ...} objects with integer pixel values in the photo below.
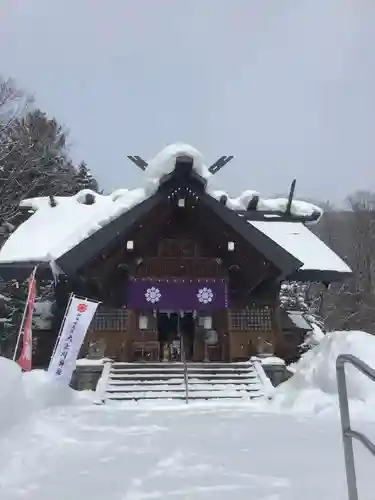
[{"x": 56, "y": 271}]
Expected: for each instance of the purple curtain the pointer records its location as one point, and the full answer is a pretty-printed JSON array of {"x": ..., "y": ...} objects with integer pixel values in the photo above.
[{"x": 176, "y": 295}]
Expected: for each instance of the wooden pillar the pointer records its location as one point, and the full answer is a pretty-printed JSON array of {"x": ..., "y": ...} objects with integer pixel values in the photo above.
[
  {"x": 279, "y": 340},
  {"x": 131, "y": 329}
]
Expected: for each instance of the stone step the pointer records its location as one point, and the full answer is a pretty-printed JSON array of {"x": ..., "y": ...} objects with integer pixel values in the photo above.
[
  {"x": 175, "y": 395},
  {"x": 180, "y": 388},
  {"x": 221, "y": 371},
  {"x": 206, "y": 381},
  {"x": 173, "y": 365},
  {"x": 176, "y": 382},
  {"x": 172, "y": 376}
]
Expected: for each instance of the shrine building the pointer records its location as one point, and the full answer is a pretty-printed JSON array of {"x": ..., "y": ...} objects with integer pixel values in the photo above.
[{"x": 175, "y": 264}]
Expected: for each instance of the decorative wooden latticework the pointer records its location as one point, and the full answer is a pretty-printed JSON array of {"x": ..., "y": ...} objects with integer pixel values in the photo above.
[
  {"x": 251, "y": 319},
  {"x": 109, "y": 319},
  {"x": 178, "y": 267}
]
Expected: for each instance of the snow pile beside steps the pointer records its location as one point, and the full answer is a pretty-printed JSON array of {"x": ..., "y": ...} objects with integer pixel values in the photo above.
[
  {"x": 22, "y": 394},
  {"x": 313, "y": 387}
]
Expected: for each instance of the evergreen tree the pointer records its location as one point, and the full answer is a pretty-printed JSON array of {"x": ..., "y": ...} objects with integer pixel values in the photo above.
[
  {"x": 34, "y": 161},
  {"x": 84, "y": 179},
  {"x": 12, "y": 305}
]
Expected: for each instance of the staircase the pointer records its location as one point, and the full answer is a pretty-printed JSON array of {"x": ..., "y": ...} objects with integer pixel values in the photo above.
[{"x": 206, "y": 381}]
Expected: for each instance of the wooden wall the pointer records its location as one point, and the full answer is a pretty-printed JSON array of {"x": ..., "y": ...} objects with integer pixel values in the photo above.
[
  {"x": 185, "y": 246},
  {"x": 242, "y": 333}
]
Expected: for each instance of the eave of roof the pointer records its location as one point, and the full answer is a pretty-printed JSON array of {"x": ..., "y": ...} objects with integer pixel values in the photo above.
[
  {"x": 272, "y": 239},
  {"x": 319, "y": 275},
  {"x": 273, "y": 252},
  {"x": 92, "y": 246}
]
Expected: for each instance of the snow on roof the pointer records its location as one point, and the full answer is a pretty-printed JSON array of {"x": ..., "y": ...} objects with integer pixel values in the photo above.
[
  {"x": 298, "y": 207},
  {"x": 164, "y": 162},
  {"x": 52, "y": 231},
  {"x": 300, "y": 242},
  {"x": 298, "y": 320}
]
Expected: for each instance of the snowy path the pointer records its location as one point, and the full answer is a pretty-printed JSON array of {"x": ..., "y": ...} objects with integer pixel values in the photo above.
[{"x": 176, "y": 453}]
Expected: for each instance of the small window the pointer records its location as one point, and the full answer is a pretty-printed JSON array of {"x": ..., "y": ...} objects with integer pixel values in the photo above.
[{"x": 108, "y": 319}]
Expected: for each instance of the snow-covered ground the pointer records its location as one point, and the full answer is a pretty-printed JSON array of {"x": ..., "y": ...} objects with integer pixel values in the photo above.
[
  {"x": 63, "y": 447},
  {"x": 178, "y": 453}
]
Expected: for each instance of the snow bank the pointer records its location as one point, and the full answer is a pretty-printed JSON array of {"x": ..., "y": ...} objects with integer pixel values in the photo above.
[
  {"x": 41, "y": 391},
  {"x": 11, "y": 391},
  {"x": 313, "y": 387},
  {"x": 21, "y": 394},
  {"x": 272, "y": 361},
  {"x": 315, "y": 336}
]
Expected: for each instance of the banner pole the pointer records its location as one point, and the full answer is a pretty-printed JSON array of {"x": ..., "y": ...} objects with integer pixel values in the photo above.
[
  {"x": 32, "y": 277},
  {"x": 71, "y": 296}
]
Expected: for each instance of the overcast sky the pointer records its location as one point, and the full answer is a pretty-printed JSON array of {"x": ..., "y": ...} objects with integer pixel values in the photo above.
[{"x": 286, "y": 86}]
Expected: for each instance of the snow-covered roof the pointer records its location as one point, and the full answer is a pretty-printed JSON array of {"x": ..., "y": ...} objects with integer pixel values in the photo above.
[
  {"x": 304, "y": 245},
  {"x": 52, "y": 231},
  {"x": 275, "y": 205},
  {"x": 298, "y": 320},
  {"x": 164, "y": 163}
]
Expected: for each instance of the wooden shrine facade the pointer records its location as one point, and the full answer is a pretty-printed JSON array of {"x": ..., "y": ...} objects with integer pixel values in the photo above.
[
  {"x": 175, "y": 245},
  {"x": 181, "y": 266},
  {"x": 241, "y": 334}
]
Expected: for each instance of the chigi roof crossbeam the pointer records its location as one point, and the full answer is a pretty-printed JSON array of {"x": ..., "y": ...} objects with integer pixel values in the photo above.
[
  {"x": 213, "y": 169},
  {"x": 140, "y": 162},
  {"x": 219, "y": 164},
  {"x": 73, "y": 230}
]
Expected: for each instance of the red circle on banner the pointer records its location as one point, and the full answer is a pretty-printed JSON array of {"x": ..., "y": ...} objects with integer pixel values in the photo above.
[{"x": 82, "y": 308}]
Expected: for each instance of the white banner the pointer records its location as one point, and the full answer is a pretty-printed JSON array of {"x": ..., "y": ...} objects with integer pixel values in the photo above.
[{"x": 77, "y": 321}]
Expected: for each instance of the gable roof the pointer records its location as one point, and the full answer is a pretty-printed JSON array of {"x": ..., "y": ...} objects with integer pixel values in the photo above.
[{"x": 74, "y": 231}]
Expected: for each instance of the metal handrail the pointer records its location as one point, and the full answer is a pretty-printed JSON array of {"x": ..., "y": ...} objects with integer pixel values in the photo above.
[
  {"x": 186, "y": 374},
  {"x": 101, "y": 386},
  {"x": 348, "y": 434}
]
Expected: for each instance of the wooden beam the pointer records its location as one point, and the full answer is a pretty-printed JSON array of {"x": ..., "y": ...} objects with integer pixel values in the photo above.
[
  {"x": 290, "y": 197},
  {"x": 219, "y": 164},
  {"x": 140, "y": 162},
  {"x": 278, "y": 216}
]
